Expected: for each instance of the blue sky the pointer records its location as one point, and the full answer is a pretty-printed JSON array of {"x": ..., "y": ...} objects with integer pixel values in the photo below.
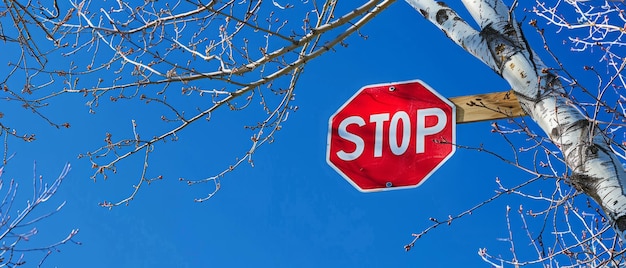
[{"x": 291, "y": 209}]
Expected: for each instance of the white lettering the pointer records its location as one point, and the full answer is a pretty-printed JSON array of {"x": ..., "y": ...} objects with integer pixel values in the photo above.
[
  {"x": 358, "y": 141},
  {"x": 379, "y": 119},
  {"x": 398, "y": 142},
  {"x": 406, "y": 133},
  {"x": 423, "y": 131}
]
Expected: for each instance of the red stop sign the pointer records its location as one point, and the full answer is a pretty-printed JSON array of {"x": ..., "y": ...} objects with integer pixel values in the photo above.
[{"x": 391, "y": 136}]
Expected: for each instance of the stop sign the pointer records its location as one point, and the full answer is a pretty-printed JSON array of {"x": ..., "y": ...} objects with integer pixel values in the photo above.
[{"x": 391, "y": 136}]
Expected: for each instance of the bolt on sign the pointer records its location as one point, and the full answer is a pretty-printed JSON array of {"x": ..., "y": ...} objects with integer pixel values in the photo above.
[{"x": 391, "y": 136}]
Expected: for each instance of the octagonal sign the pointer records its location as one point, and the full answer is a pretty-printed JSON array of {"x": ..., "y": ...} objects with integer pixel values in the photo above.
[{"x": 391, "y": 136}]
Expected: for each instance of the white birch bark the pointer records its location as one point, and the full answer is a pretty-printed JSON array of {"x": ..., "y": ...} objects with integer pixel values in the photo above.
[{"x": 500, "y": 44}]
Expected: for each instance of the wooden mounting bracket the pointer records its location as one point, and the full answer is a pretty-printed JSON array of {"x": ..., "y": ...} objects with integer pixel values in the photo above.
[{"x": 489, "y": 106}]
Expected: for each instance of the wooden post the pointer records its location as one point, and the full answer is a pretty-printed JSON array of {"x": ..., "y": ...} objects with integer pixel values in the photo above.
[{"x": 490, "y": 106}]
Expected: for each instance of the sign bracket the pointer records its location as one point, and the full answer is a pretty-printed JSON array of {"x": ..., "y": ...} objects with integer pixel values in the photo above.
[{"x": 484, "y": 107}]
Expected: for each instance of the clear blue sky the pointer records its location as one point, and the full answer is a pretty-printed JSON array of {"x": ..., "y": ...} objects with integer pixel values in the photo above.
[{"x": 291, "y": 209}]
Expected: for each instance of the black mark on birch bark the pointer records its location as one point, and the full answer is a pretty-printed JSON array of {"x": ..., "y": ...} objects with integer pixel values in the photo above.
[
  {"x": 591, "y": 151},
  {"x": 620, "y": 223},
  {"x": 442, "y": 16},
  {"x": 551, "y": 83},
  {"x": 501, "y": 46},
  {"x": 557, "y": 131},
  {"x": 587, "y": 184}
]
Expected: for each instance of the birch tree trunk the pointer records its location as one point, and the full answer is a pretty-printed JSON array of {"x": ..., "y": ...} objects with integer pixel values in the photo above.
[{"x": 500, "y": 44}]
